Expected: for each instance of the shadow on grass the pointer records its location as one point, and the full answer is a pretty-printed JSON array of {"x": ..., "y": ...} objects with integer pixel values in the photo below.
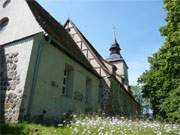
[
  {"x": 13, "y": 129},
  {"x": 36, "y": 126},
  {"x": 26, "y": 128}
]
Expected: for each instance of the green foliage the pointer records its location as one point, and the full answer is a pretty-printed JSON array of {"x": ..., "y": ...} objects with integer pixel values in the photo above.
[
  {"x": 161, "y": 83},
  {"x": 137, "y": 93},
  {"x": 144, "y": 102},
  {"x": 13, "y": 129},
  {"x": 32, "y": 129}
]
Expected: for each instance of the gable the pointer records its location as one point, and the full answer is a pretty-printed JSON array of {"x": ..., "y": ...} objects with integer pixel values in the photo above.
[
  {"x": 87, "y": 49},
  {"x": 21, "y": 23}
]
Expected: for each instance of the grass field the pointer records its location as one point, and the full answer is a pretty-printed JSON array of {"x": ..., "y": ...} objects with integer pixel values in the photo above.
[{"x": 94, "y": 125}]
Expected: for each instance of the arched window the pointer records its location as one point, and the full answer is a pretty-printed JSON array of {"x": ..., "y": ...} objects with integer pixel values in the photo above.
[
  {"x": 6, "y": 3},
  {"x": 3, "y": 22}
]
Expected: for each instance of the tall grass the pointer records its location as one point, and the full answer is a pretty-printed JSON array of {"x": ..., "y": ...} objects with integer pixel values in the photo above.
[{"x": 94, "y": 125}]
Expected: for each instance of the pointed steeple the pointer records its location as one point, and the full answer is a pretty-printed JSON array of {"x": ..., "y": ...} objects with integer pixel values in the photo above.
[{"x": 114, "y": 49}]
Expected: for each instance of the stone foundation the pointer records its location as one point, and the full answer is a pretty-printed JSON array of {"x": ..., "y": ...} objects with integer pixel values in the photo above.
[
  {"x": 14, "y": 60},
  {"x": 9, "y": 79}
]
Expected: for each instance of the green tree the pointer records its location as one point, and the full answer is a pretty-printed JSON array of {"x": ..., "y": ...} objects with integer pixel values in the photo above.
[
  {"x": 137, "y": 93},
  {"x": 161, "y": 83},
  {"x": 144, "y": 102}
]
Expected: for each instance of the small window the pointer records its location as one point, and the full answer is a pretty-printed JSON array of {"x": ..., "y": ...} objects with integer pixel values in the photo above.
[
  {"x": 3, "y": 22},
  {"x": 67, "y": 81},
  {"x": 64, "y": 87},
  {"x": 6, "y": 3},
  {"x": 100, "y": 93},
  {"x": 88, "y": 91}
]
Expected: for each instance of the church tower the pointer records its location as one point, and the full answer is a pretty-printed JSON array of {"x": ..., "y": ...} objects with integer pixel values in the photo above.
[{"x": 116, "y": 59}]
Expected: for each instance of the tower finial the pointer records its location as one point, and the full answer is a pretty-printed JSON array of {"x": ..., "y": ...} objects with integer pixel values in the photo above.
[{"x": 114, "y": 34}]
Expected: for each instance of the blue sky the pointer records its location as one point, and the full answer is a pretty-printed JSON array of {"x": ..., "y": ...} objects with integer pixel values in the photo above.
[{"x": 137, "y": 25}]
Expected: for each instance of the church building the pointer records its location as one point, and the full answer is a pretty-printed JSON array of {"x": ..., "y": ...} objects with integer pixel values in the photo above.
[{"x": 47, "y": 69}]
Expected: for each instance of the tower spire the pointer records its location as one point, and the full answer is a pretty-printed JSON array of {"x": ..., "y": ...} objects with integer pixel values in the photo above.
[
  {"x": 117, "y": 60},
  {"x": 114, "y": 49}
]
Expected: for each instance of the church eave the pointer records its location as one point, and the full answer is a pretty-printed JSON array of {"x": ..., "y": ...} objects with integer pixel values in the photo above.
[
  {"x": 62, "y": 39},
  {"x": 55, "y": 44},
  {"x": 23, "y": 38}
]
